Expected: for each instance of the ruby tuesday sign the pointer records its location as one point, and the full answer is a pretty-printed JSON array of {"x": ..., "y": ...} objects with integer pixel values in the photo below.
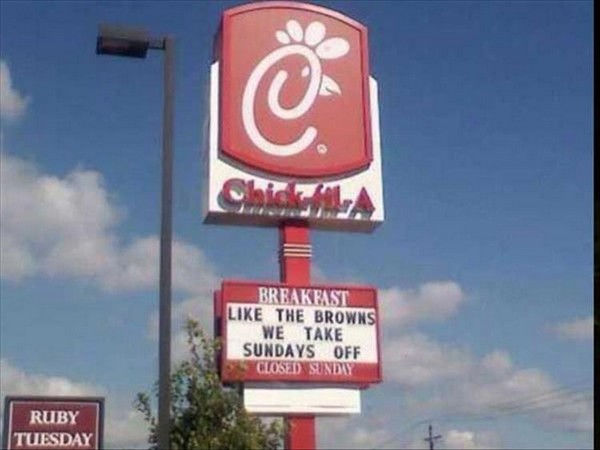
[
  {"x": 298, "y": 333},
  {"x": 294, "y": 128},
  {"x": 53, "y": 423}
]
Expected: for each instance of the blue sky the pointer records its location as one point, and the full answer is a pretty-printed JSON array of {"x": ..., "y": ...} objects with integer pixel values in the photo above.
[{"x": 484, "y": 262}]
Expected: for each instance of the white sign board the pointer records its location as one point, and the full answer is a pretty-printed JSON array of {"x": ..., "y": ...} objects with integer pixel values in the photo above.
[
  {"x": 322, "y": 401},
  {"x": 325, "y": 334}
]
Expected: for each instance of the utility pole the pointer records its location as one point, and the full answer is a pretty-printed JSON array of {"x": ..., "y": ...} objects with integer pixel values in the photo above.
[{"x": 431, "y": 439}]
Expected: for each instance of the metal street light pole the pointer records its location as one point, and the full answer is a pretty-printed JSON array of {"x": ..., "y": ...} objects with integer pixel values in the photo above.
[
  {"x": 166, "y": 234},
  {"x": 134, "y": 43}
]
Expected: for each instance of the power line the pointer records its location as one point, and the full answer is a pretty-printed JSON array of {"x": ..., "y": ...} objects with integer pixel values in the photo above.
[
  {"x": 536, "y": 398},
  {"x": 525, "y": 405},
  {"x": 550, "y": 399},
  {"x": 395, "y": 437},
  {"x": 527, "y": 409}
]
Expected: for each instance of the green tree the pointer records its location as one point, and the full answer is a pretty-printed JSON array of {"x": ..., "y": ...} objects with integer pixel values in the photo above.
[{"x": 204, "y": 414}]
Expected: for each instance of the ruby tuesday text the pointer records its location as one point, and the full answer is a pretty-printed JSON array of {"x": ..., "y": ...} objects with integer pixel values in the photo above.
[{"x": 57, "y": 430}]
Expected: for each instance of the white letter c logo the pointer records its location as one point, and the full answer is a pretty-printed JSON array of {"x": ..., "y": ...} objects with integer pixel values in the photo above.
[{"x": 300, "y": 109}]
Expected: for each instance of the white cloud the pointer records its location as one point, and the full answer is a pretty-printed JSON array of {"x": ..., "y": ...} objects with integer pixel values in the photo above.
[
  {"x": 53, "y": 225},
  {"x": 124, "y": 427},
  {"x": 432, "y": 301},
  {"x": 568, "y": 411},
  {"x": 462, "y": 383},
  {"x": 353, "y": 432},
  {"x": 65, "y": 226},
  {"x": 414, "y": 360},
  {"x": 12, "y": 103},
  {"x": 137, "y": 267},
  {"x": 198, "y": 308},
  {"x": 458, "y": 439},
  {"x": 578, "y": 329},
  {"x": 382, "y": 431},
  {"x": 14, "y": 381},
  {"x": 493, "y": 388}
]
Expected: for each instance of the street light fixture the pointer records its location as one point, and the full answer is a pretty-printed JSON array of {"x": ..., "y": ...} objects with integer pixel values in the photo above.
[{"x": 134, "y": 43}]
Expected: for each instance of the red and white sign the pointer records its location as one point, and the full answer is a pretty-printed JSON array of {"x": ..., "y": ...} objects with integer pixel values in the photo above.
[
  {"x": 53, "y": 422},
  {"x": 295, "y": 90},
  {"x": 280, "y": 332},
  {"x": 293, "y": 110}
]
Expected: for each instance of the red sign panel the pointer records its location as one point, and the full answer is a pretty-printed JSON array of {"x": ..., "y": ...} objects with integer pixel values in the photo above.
[
  {"x": 313, "y": 333},
  {"x": 294, "y": 90},
  {"x": 57, "y": 423}
]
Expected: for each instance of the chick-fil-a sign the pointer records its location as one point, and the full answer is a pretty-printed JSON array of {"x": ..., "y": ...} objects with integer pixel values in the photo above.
[
  {"x": 295, "y": 90},
  {"x": 292, "y": 103}
]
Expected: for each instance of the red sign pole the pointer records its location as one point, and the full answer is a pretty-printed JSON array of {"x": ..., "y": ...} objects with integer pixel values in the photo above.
[{"x": 294, "y": 267}]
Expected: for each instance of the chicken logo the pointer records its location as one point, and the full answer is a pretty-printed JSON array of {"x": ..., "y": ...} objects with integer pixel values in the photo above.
[
  {"x": 294, "y": 90},
  {"x": 308, "y": 44}
]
